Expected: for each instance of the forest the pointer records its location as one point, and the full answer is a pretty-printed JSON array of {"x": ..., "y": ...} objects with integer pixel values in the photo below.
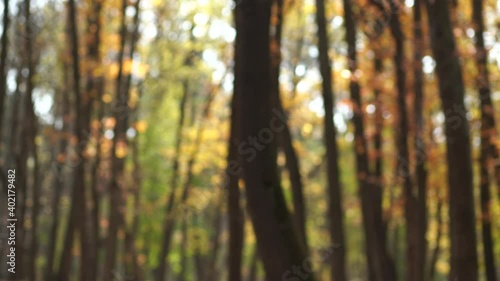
[{"x": 249, "y": 140}]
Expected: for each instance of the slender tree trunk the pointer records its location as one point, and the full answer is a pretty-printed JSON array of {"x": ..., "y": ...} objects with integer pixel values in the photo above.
[
  {"x": 93, "y": 96},
  {"x": 463, "y": 260},
  {"x": 183, "y": 252},
  {"x": 334, "y": 213},
  {"x": 35, "y": 211},
  {"x": 67, "y": 254},
  {"x": 64, "y": 269},
  {"x": 234, "y": 209},
  {"x": 380, "y": 264},
  {"x": 285, "y": 137},
  {"x": 488, "y": 133},
  {"x": 27, "y": 147},
  {"x": 414, "y": 267},
  {"x": 3, "y": 59},
  {"x": 437, "y": 249},
  {"x": 419, "y": 145},
  {"x": 86, "y": 245},
  {"x": 62, "y": 111},
  {"x": 168, "y": 223},
  {"x": 252, "y": 274},
  {"x": 119, "y": 148},
  {"x": 131, "y": 250},
  {"x": 212, "y": 268},
  {"x": 277, "y": 240},
  {"x": 379, "y": 123},
  {"x": 32, "y": 123}
]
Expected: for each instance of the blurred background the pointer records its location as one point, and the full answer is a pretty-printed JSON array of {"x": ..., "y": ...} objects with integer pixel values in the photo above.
[{"x": 250, "y": 140}]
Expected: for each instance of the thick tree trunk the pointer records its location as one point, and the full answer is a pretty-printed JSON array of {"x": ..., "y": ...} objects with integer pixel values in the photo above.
[
  {"x": 463, "y": 259},
  {"x": 334, "y": 214},
  {"x": 278, "y": 243}
]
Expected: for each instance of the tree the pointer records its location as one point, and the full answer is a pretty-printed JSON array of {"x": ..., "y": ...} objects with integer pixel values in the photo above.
[
  {"x": 277, "y": 241},
  {"x": 463, "y": 259},
  {"x": 380, "y": 264},
  {"x": 488, "y": 133},
  {"x": 285, "y": 136},
  {"x": 334, "y": 213},
  {"x": 3, "y": 58}
]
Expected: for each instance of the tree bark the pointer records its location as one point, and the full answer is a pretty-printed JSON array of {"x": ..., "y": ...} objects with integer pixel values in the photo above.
[
  {"x": 380, "y": 264},
  {"x": 119, "y": 151},
  {"x": 414, "y": 266},
  {"x": 419, "y": 145},
  {"x": 334, "y": 214},
  {"x": 278, "y": 243},
  {"x": 168, "y": 223},
  {"x": 235, "y": 212},
  {"x": 437, "y": 249},
  {"x": 3, "y": 59},
  {"x": 59, "y": 159},
  {"x": 463, "y": 260},
  {"x": 94, "y": 88},
  {"x": 285, "y": 137},
  {"x": 488, "y": 132},
  {"x": 32, "y": 124}
]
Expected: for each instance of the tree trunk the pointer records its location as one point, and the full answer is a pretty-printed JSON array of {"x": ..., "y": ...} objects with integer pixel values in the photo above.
[
  {"x": 419, "y": 145},
  {"x": 488, "y": 133},
  {"x": 437, "y": 249},
  {"x": 334, "y": 213},
  {"x": 278, "y": 243},
  {"x": 83, "y": 222},
  {"x": 463, "y": 260},
  {"x": 3, "y": 59},
  {"x": 94, "y": 88},
  {"x": 119, "y": 152},
  {"x": 32, "y": 124},
  {"x": 414, "y": 266},
  {"x": 285, "y": 137},
  {"x": 235, "y": 212},
  {"x": 168, "y": 223},
  {"x": 380, "y": 265},
  {"x": 213, "y": 273},
  {"x": 64, "y": 269},
  {"x": 27, "y": 146}
]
